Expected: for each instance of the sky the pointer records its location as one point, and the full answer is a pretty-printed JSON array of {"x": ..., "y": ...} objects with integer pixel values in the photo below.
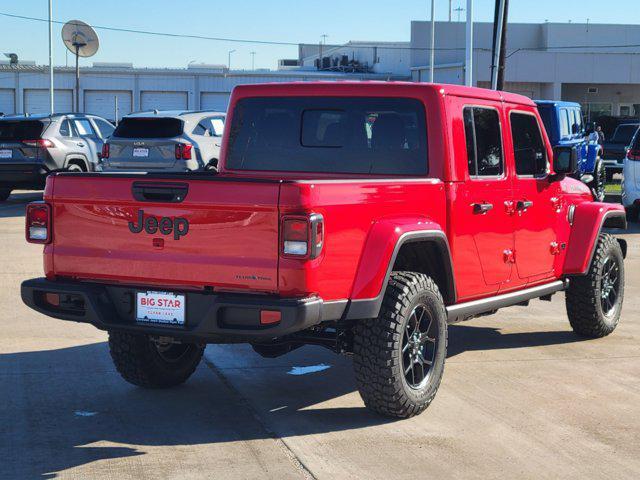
[{"x": 297, "y": 21}]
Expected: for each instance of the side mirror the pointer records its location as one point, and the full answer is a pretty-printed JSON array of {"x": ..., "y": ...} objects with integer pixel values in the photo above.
[{"x": 565, "y": 160}]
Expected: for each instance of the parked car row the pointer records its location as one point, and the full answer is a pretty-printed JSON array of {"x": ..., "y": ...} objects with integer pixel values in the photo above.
[{"x": 31, "y": 147}]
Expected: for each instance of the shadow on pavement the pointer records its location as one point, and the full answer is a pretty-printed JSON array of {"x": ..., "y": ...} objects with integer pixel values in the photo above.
[
  {"x": 15, "y": 205},
  {"x": 68, "y": 407}
]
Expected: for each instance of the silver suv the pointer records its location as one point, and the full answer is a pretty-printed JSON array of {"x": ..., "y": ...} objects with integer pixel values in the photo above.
[
  {"x": 164, "y": 140},
  {"x": 33, "y": 146}
]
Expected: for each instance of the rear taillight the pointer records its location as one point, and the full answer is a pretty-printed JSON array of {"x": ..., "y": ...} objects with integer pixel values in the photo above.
[
  {"x": 303, "y": 237},
  {"x": 38, "y": 222},
  {"x": 183, "y": 151},
  {"x": 105, "y": 150},
  {"x": 40, "y": 142},
  {"x": 633, "y": 154}
]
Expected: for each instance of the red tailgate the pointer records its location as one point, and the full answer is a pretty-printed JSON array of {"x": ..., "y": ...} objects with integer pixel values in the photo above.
[{"x": 231, "y": 243}]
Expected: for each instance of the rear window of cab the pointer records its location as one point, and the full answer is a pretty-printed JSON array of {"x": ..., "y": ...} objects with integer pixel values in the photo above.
[{"x": 329, "y": 135}]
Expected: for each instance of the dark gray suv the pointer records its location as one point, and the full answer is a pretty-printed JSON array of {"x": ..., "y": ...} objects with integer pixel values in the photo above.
[{"x": 33, "y": 146}]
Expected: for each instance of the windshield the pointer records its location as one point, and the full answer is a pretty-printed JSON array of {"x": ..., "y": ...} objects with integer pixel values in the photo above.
[
  {"x": 329, "y": 134},
  {"x": 19, "y": 130},
  {"x": 624, "y": 134},
  {"x": 148, "y": 128}
]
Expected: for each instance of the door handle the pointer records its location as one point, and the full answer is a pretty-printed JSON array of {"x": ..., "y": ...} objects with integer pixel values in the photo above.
[
  {"x": 524, "y": 204},
  {"x": 482, "y": 208},
  {"x": 80, "y": 144}
]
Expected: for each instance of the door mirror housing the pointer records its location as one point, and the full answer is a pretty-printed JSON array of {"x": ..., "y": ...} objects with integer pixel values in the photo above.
[{"x": 565, "y": 160}]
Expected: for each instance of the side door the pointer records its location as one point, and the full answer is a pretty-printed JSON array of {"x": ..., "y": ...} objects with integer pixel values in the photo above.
[
  {"x": 70, "y": 138},
  {"x": 537, "y": 200},
  {"x": 481, "y": 208},
  {"x": 89, "y": 140}
]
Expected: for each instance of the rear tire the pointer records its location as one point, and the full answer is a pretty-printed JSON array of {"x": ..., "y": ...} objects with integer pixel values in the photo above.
[
  {"x": 5, "y": 193},
  {"x": 145, "y": 363},
  {"x": 632, "y": 213},
  {"x": 594, "y": 301},
  {"x": 399, "y": 357},
  {"x": 74, "y": 167}
]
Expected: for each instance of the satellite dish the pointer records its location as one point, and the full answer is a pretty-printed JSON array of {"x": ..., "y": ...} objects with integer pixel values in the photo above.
[{"x": 80, "y": 38}]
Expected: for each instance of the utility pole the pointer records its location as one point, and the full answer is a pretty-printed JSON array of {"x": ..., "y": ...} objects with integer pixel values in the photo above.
[
  {"x": 229, "y": 59},
  {"x": 432, "y": 53},
  {"x": 468, "y": 70},
  {"x": 498, "y": 17},
  {"x": 458, "y": 10},
  {"x": 502, "y": 65},
  {"x": 51, "y": 55},
  {"x": 323, "y": 39},
  {"x": 253, "y": 60}
]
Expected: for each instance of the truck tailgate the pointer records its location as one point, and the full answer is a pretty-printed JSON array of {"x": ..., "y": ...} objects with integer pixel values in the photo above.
[{"x": 231, "y": 242}]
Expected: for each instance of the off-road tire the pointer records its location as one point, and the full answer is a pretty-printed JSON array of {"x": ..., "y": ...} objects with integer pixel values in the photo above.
[
  {"x": 583, "y": 298},
  {"x": 5, "y": 193},
  {"x": 139, "y": 362},
  {"x": 377, "y": 355},
  {"x": 598, "y": 183}
]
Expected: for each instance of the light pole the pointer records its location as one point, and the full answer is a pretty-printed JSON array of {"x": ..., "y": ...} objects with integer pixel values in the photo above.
[
  {"x": 323, "y": 39},
  {"x": 51, "y": 55},
  {"x": 253, "y": 60},
  {"x": 229, "y": 63},
  {"x": 432, "y": 53},
  {"x": 468, "y": 71}
]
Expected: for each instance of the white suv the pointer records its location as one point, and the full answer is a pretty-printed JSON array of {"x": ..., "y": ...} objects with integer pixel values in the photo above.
[{"x": 631, "y": 179}]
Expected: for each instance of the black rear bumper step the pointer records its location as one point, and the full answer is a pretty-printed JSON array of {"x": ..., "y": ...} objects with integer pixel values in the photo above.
[{"x": 210, "y": 317}]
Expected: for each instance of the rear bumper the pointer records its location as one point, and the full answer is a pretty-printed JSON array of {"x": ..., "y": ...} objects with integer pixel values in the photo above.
[
  {"x": 210, "y": 317},
  {"x": 23, "y": 175}
]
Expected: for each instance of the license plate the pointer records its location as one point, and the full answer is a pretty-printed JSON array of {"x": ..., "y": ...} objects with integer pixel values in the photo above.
[
  {"x": 160, "y": 307},
  {"x": 140, "y": 152},
  {"x": 6, "y": 153}
]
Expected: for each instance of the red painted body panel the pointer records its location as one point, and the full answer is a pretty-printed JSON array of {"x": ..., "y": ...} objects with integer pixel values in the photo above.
[
  {"x": 233, "y": 242},
  {"x": 355, "y": 212}
]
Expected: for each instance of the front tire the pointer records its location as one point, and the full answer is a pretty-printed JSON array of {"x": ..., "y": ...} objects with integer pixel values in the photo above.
[
  {"x": 594, "y": 301},
  {"x": 399, "y": 357},
  {"x": 5, "y": 193},
  {"x": 148, "y": 364}
]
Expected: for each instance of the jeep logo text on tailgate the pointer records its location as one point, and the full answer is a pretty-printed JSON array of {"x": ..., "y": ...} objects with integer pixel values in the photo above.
[{"x": 165, "y": 225}]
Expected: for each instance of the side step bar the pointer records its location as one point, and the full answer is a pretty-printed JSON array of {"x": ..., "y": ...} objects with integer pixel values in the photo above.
[{"x": 465, "y": 310}]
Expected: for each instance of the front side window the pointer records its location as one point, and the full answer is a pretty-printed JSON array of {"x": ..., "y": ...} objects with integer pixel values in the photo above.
[
  {"x": 329, "y": 134},
  {"x": 484, "y": 143},
  {"x": 528, "y": 147},
  {"x": 564, "y": 122},
  {"x": 84, "y": 127},
  {"x": 105, "y": 128}
]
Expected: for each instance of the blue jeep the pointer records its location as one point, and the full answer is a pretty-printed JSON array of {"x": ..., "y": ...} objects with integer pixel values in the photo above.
[{"x": 564, "y": 125}]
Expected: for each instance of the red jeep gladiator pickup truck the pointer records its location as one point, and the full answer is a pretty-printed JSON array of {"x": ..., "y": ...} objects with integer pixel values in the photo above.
[{"x": 360, "y": 216}]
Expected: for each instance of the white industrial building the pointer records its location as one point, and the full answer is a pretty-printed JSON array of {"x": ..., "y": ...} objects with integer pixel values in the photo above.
[
  {"x": 24, "y": 88},
  {"x": 595, "y": 65}
]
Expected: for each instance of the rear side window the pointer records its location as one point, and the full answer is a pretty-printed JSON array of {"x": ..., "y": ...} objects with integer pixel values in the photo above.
[
  {"x": 484, "y": 142},
  {"x": 66, "y": 129},
  {"x": 149, "y": 128},
  {"x": 329, "y": 134},
  {"x": 528, "y": 147},
  {"x": 18, "y": 130}
]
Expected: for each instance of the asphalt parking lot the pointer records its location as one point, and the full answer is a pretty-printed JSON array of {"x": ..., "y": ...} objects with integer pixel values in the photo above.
[{"x": 522, "y": 397}]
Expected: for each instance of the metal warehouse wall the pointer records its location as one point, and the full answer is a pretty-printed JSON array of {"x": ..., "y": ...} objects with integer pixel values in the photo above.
[{"x": 132, "y": 85}]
